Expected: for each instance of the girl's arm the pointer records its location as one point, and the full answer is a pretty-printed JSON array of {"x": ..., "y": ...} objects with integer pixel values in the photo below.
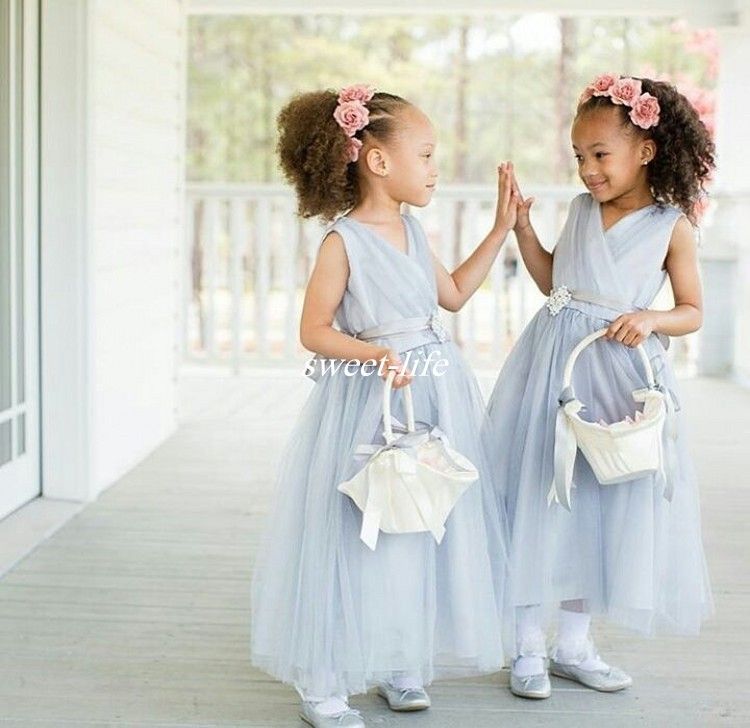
[
  {"x": 455, "y": 289},
  {"x": 322, "y": 297},
  {"x": 537, "y": 260},
  {"x": 687, "y": 315}
]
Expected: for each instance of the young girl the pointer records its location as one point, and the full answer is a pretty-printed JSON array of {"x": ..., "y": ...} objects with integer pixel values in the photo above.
[
  {"x": 330, "y": 615},
  {"x": 625, "y": 550}
]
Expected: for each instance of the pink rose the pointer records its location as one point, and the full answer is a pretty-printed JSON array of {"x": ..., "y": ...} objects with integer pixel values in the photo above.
[
  {"x": 353, "y": 145},
  {"x": 358, "y": 92},
  {"x": 645, "y": 111},
  {"x": 351, "y": 116},
  {"x": 625, "y": 91},
  {"x": 601, "y": 84}
]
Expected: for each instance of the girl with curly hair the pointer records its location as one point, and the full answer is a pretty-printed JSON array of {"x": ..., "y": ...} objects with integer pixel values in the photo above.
[
  {"x": 337, "y": 606},
  {"x": 629, "y": 550}
]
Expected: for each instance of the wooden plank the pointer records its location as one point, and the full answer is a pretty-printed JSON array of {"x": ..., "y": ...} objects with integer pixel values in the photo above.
[{"x": 137, "y": 611}]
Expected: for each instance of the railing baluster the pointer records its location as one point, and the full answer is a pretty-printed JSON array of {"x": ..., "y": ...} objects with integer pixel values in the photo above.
[
  {"x": 210, "y": 249},
  {"x": 446, "y": 218},
  {"x": 469, "y": 240},
  {"x": 186, "y": 278},
  {"x": 312, "y": 241},
  {"x": 549, "y": 222},
  {"x": 445, "y": 236},
  {"x": 497, "y": 275},
  {"x": 262, "y": 274},
  {"x": 237, "y": 244},
  {"x": 290, "y": 248}
]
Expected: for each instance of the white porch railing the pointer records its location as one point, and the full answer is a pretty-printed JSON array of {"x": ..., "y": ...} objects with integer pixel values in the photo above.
[{"x": 248, "y": 258}]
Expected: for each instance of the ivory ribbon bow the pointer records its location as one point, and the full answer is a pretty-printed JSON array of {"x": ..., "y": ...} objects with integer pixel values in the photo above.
[
  {"x": 667, "y": 475},
  {"x": 406, "y": 464},
  {"x": 565, "y": 449}
]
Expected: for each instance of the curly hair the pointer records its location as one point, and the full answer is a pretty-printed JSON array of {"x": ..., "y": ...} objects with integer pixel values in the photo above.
[
  {"x": 312, "y": 149},
  {"x": 684, "y": 156}
]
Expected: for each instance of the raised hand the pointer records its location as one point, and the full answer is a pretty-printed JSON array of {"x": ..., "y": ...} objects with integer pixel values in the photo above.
[
  {"x": 523, "y": 220},
  {"x": 507, "y": 200}
]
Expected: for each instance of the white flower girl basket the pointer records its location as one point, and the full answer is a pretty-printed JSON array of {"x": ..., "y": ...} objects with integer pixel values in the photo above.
[
  {"x": 618, "y": 452},
  {"x": 411, "y": 483}
]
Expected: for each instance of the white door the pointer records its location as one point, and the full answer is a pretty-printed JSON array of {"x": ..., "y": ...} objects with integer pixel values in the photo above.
[{"x": 19, "y": 358}]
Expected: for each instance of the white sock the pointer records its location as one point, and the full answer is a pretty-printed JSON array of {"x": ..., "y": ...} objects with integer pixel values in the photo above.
[
  {"x": 527, "y": 666},
  {"x": 573, "y": 643},
  {"x": 529, "y": 642},
  {"x": 405, "y": 681}
]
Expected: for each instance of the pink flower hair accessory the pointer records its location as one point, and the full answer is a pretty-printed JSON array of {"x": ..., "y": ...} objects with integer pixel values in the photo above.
[
  {"x": 625, "y": 91},
  {"x": 352, "y": 149},
  {"x": 358, "y": 92},
  {"x": 645, "y": 111},
  {"x": 351, "y": 115},
  {"x": 603, "y": 83},
  {"x": 600, "y": 86}
]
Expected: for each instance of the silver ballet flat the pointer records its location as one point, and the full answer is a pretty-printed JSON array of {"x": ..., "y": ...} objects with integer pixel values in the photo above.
[
  {"x": 606, "y": 681},
  {"x": 536, "y": 687},
  {"x": 348, "y": 718},
  {"x": 404, "y": 700}
]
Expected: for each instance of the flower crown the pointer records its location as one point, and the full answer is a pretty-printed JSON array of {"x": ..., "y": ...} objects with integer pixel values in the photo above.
[
  {"x": 625, "y": 91},
  {"x": 351, "y": 115}
]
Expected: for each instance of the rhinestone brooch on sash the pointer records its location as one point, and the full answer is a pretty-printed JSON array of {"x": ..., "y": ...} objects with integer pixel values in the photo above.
[
  {"x": 436, "y": 325},
  {"x": 558, "y": 298}
]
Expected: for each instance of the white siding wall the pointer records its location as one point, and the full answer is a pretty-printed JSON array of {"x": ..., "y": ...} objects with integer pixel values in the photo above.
[{"x": 136, "y": 186}]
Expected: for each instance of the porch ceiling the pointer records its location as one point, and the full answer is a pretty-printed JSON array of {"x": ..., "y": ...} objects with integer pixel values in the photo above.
[{"x": 715, "y": 13}]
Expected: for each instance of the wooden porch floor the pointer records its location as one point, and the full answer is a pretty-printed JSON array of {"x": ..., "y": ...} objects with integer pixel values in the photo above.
[{"x": 136, "y": 612}]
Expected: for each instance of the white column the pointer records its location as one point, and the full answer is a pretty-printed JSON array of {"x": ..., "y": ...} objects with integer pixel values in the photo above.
[
  {"x": 725, "y": 255},
  {"x": 66, "y": 252}
]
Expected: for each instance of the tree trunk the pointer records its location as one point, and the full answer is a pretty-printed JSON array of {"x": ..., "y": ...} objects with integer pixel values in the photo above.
[
  {"x": 627, "y": 49},
  {"x": 459, "y": 159},
  {"x": 196, "y": 268},
  {"x": 268, "y": 120},
  {"x": 564, "y": 98}
]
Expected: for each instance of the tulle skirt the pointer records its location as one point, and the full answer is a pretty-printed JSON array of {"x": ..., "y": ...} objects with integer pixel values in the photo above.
[
  {"x": 631, "y": 554},
  {"x": 333, "y": 617}
]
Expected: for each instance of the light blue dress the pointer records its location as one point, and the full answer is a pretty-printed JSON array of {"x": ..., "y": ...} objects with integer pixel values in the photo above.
[
  {"x": 328, "y": 614},
  {"x": 636, "y": 557}
]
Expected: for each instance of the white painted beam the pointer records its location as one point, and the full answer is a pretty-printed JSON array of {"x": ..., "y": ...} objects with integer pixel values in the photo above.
[{"x": 716, "y": 13}]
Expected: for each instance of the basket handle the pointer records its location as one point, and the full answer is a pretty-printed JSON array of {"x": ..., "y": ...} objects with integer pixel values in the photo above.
[
  {"x": 590, "y": 339},
  {"x": 408, "y": 404}
]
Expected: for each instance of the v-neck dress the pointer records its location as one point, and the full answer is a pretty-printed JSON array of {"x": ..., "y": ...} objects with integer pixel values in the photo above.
[
  {"x": 633, "y": 555},
  {"x": 328, "y": 614}
]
